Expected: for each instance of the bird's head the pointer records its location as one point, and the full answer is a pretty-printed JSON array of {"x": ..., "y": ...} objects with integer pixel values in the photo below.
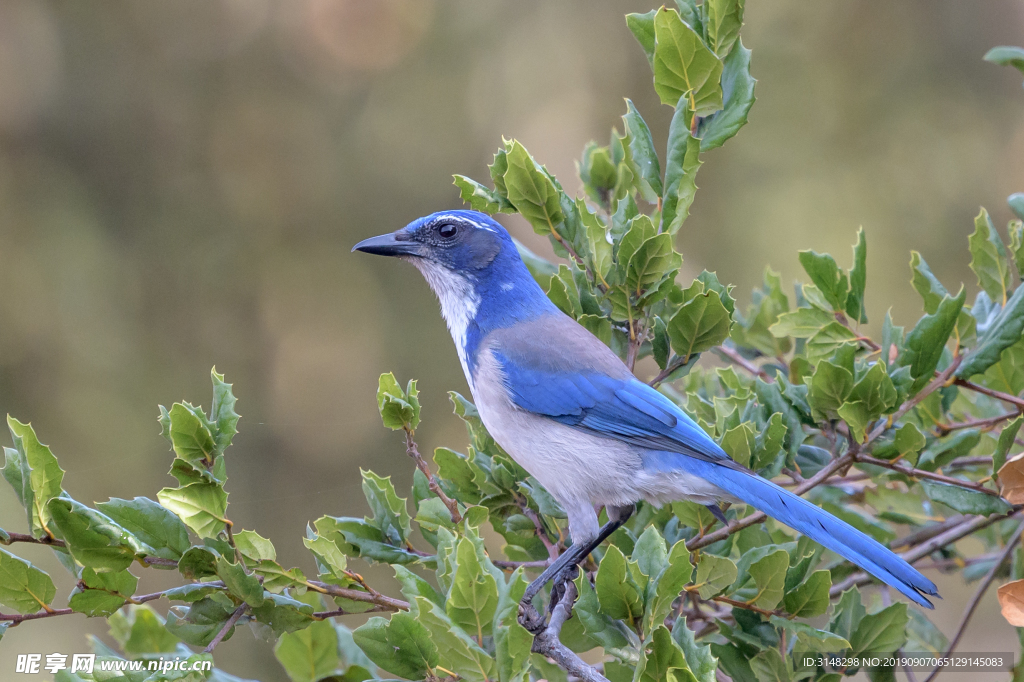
[{"x": 473, "y": 266}]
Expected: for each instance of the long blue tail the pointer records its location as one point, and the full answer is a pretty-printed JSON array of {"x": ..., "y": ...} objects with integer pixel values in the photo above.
[{"x": 815, "y": 523}]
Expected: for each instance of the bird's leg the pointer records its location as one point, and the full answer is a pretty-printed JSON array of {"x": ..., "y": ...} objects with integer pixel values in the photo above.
[{"x": 564, "y": 568}]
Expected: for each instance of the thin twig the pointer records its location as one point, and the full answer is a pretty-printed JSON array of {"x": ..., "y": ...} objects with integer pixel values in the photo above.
[
  {"x": 983, "y": 424},
  {"x": 936, "y": 383},
  {"x": 413, "y": 451},
  {"x": 908, "y": 470},
  {"x": 228, "y": 626},
  {"x": 998, "y": 395},
  {"x": 22, "y": 537},
  {"x": 976, "y": 599},
  {"x": 733, "y": 356},
  {"x": 387, "y": 603}
]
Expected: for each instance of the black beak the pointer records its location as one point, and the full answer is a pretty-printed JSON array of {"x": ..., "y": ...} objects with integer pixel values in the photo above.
[{"x": 388, "y": 245}]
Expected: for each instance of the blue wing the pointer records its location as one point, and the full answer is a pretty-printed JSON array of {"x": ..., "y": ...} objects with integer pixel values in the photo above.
[
  {"x": 622, "y": 408},
  {"x": 626, "y": 409}
]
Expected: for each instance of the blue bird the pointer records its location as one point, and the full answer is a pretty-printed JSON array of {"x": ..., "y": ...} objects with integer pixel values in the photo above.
[{"x": 567, "y": 409}]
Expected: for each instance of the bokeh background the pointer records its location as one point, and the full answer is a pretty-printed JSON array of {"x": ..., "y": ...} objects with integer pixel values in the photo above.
[{"x": 181, "y": 182}]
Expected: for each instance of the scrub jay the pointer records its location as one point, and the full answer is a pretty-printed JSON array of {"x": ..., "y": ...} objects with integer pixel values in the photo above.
[{"x": 567, "y": 409}]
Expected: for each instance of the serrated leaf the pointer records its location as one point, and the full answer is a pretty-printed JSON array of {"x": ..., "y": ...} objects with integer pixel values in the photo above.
[
  {"x": 642, "y": 28},
  {"x": 617, "y": 591},
  {"x": 738, "y": 98},
  {"x": 927, "y": 340},
  {"x": 138, "y": 629},
  {"x": 473, "y": 597},
  {"x": 455, "y": 649},
  {"x": 201, "y": 506},
  {"x": 244, "y": 585},
  {"x": 641, "y": 148},
  {"x": 190, "y": 437},
  {"x": 157, "y": 527},
  {"x": 831, "y": 281},
  {"x": 858, "y": 280},
  {"x": 481, "y": 198},
  {"x": 532, "y": 192},
  {"x": 398, "y": 408},
  {"x": 222, "y": 412},
  {"x": 37, "y": 471},
  {"x": 310, "y": 654},
  {"x": 103, "y": 593},
  {"x": 810, "y": 598},
  {"x": 810, "y": 639},
  {"x": 23, "y": 587},
  {"x": 723, "y": 19},
  {"x": 830, "y": 387},
  {"x": 700, "y": 324},
  {"x": 989, "y": 259},
  {"x": 882, "y": 632},
  {"x": 1004, "y": 331},
  {"x": 390, "y": 512},
  {"x": 201, "y": 621},
  {"x": 683, "y": 65},
  {"x": 681, "y": 165},
  {"x": 662, "y": 659},
  {"x": 714, "y": 574},
  {"x": 769, "y": 574},
  {"x": 92, "y": 537},
  {"x": 650, "y": 263},
  {"x": 401, "y": 646},
  {"x": 1005, "y": 442}
]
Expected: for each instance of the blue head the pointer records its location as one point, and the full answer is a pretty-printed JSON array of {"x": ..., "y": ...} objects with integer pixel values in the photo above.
[{"x": 474, "y": 268}]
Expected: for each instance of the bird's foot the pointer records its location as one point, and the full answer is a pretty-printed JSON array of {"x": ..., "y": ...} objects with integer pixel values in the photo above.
[
  {"x": 530, "y": 619},
  {"x": 560, "y": 584}
]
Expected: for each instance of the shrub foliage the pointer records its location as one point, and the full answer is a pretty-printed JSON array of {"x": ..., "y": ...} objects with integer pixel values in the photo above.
[{"x": 910, "y": 437}]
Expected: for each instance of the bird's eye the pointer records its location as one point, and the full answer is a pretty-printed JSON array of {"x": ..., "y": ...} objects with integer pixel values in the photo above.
[{"x": 447, "y": 231}]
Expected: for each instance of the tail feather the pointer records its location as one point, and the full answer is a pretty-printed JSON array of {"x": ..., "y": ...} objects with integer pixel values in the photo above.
[{"x": 815, "y": 523}]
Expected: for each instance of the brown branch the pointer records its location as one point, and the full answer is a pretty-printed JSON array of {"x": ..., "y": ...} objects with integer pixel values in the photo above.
[
  {"x": 938, "y": 382},
  {"x": 978, "y": 594},
  {"x": 22, "y": 537},
  {"x": 385, "y": 602},
  {"x": 546, "y": 643},
  {"x": 15, "y": 618},
  {"x": 513, "y": 565},
  {"x": 733, "y": 356},
  {"x": 228, "y": 626},
  {"x": 908, "y": 470},
  {"x": 983, "y": 424},
  {"x": 998, "y": 395},
  {"x": 413, "y": 451}
]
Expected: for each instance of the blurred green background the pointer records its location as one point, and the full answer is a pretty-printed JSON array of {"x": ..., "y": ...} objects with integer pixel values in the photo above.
[{"x": 181, "y": 182}]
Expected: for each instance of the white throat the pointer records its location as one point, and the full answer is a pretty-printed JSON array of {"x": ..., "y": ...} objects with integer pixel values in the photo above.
[{"x": 459, "y": 303}]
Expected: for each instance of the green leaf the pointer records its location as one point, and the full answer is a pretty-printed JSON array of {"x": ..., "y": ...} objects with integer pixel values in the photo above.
[
  {"x": 222, "y": 412},
  {"x": 254, "y": 547},
  {"x": 455, "y": 649},
  {"x": 989, "y": 259},
  {"x": 23, "y": 587},
  {"x": 830, "y": 387},
  {"x": 876, "y": 391},
  {"x": 401, "y": 646},
  {"x": 138, "y": 629},
  {"x": 481, "y": 198},
  {"x": 738, "y": 97},
  {"x": 769, "y": 574},
  {"x": 190, "y": 437},
  {"x": 473, "y": 597},
  {"x": 151, "y": 523},
  {"x": 858, "y": 280},
  {"x": 963, "y": 500},
  {"x": 811, "y": 598},
  {"x": 909, "y": 442},
  {"x": 390, "y": 512},
  {"x": 201, "y": 506},
  {"x": 723, "y": 21},
  {"x": 201, "y": 622},
  {"x": 642, "y": 27},
  {"x": 1016, "y": 231},
  {"x": 809, "y": 639},
  {"x": 1002, "y": 333},
  {"x": 801, "y": 323},
  {"x": 662, "y": 659},
  {"x": 1006, "y": 55},
  {"x": 104, "y": 593},
  {"x": 283, "y": 614},
  {"x": 398, "y": 409},
  {"x": 702, "y": 323},
  {"x": 848, "y": 613},
  {"x": 882, "y": 632},
  {"x": 1005, "y": 442},
  {"x": 714, "y": 574},
  {"x": 828, "y": 277},
  {"x": 358, "y": 538},
  {"x": 38, "y": 472},
  {"x": 932, "y": 292},
  {"x": 617, "y": 591},
  {"x": 246, "y": 586},
  {"x": 650, "y": 263},
  {"x": 681, "y": 165},
  {"x": 683, "y": 65},
  {"x": 698, "y": 656},
  {"x": 666, "y": 584},
  {"x": 532, "y": 192},
  {"x": 927, "y": 340},
  {"x": 768, "y": 666},
  {"x": 92, "y": 537},
  {"x": 310, "y": 654},
  {"x": 739, "y": 443},
  {"x": 641, "y": 148}
]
